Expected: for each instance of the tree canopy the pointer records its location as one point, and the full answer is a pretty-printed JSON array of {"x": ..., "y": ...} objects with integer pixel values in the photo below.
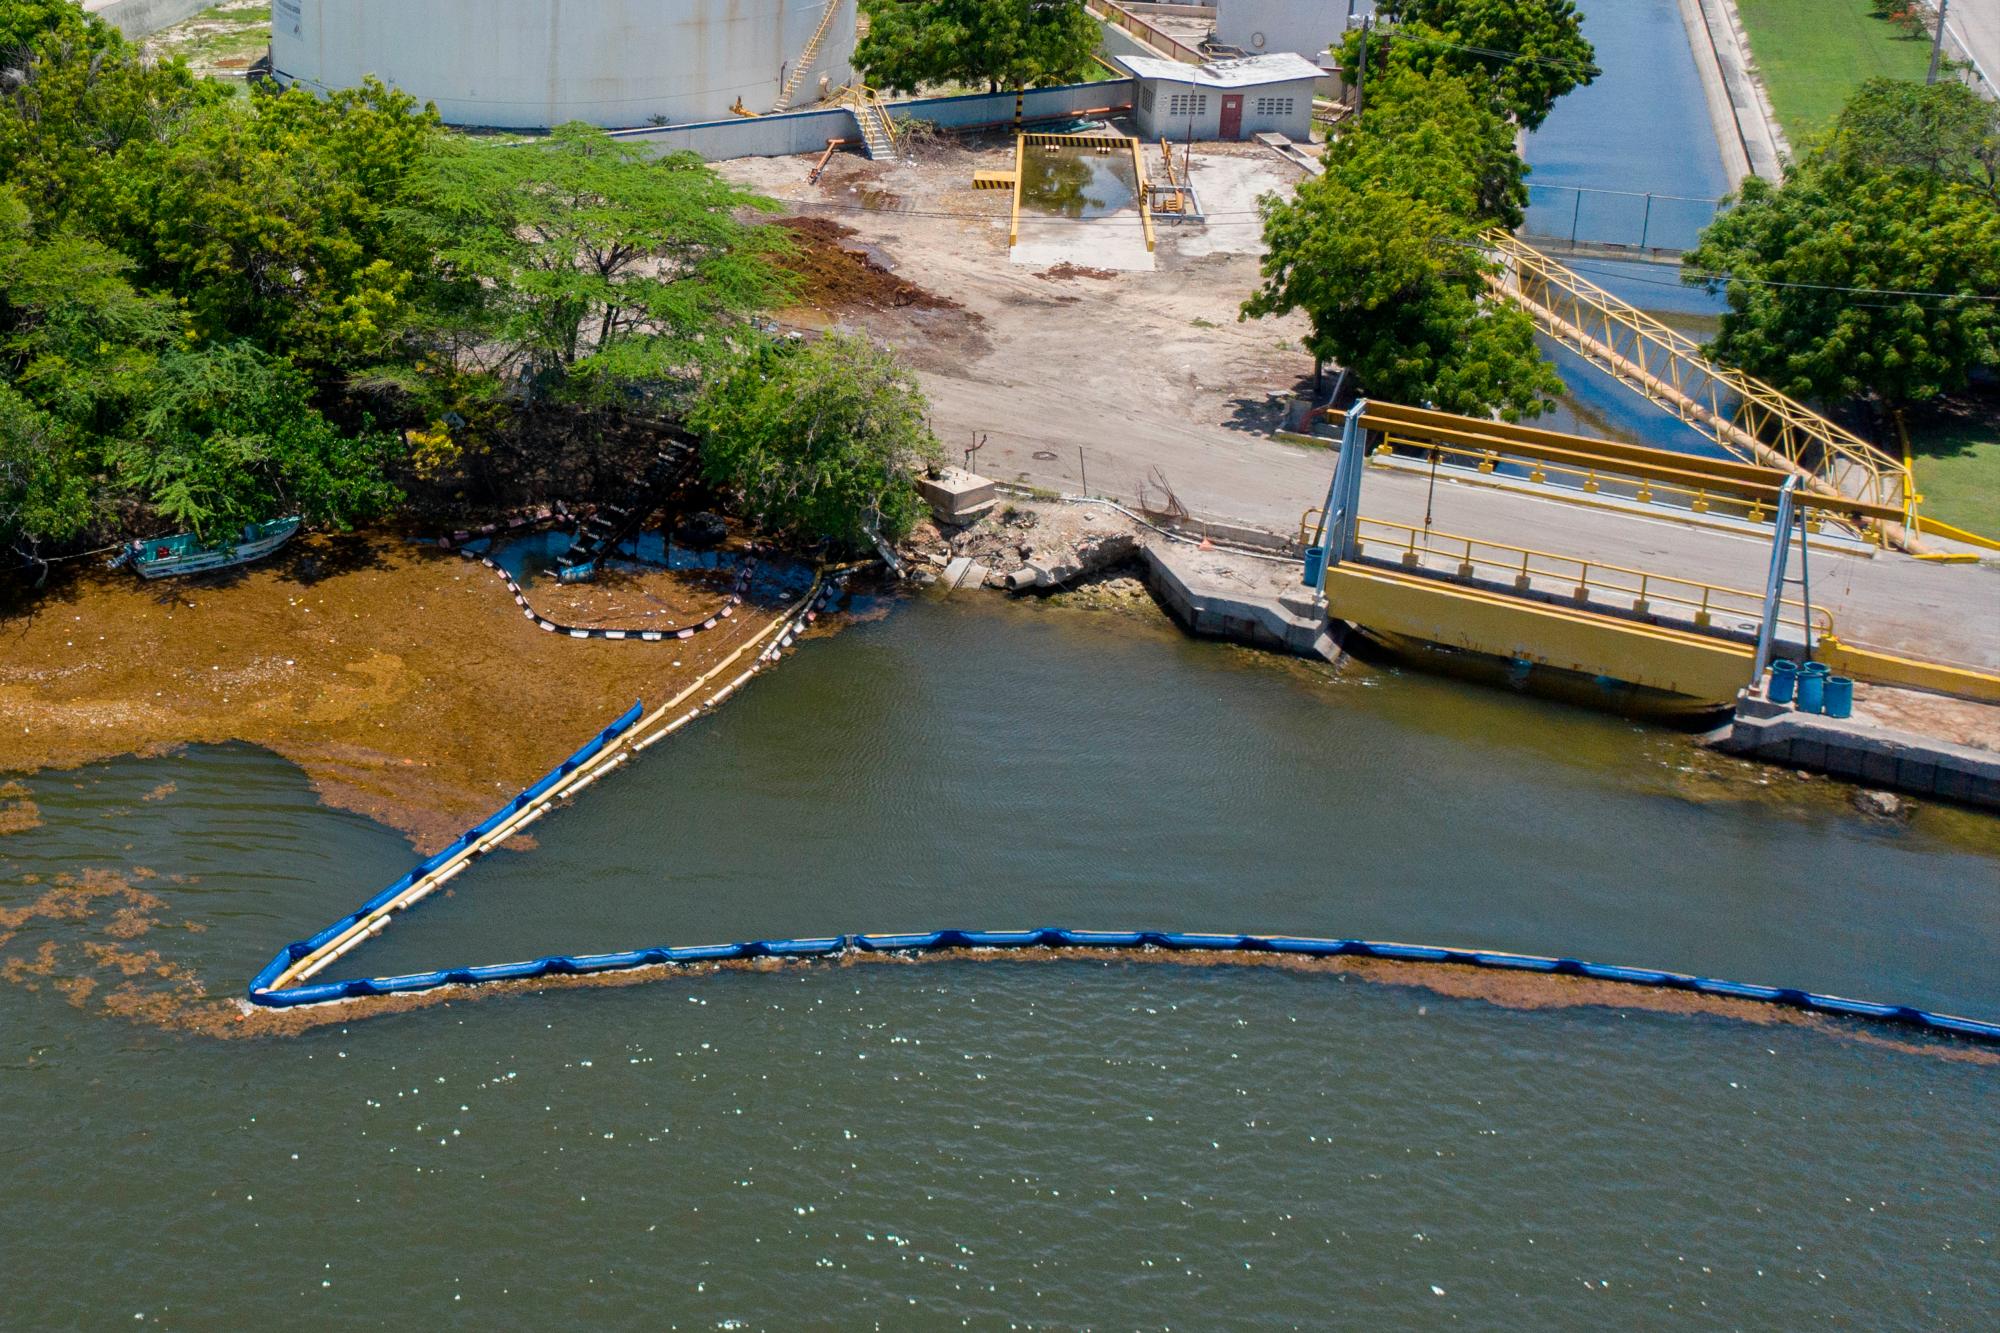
[
  {"x": 1381, "y": 253},
  {"x": 227, "y": 436},
  {"x": 587, "y": 266},
  {"x": 1528, "y": 52},
  {"x": 207, "y": 301},
  {"x": 1873, "y": 267},
  {"x": 998, "y": 43},
  {"x": 821, "y": 439}
]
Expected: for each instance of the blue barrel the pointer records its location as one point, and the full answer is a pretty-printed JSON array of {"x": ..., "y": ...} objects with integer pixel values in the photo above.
[
  {"x": 1315, "y": 565},
  {"x": 1784, "y": 679},
  {"x": 1812, "y": 687},
  {"x": 1840, "y": 696}
]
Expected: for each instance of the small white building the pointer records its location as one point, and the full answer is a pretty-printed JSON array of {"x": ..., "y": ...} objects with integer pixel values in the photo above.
[
  {"x": 1223, "y": 99},
  {"x": 1305, "y": 27}
]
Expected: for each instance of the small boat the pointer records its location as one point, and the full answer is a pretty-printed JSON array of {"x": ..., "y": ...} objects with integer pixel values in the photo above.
[{"x": 166, "y": 557}]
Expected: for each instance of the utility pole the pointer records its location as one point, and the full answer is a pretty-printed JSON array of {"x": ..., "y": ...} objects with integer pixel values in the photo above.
[
  {"x": 1361, "y": 78},
  {"x": 1937, "y": 42}
]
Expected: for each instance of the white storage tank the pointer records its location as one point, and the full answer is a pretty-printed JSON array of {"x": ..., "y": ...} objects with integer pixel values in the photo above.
[{"x": 530, "y": 64}]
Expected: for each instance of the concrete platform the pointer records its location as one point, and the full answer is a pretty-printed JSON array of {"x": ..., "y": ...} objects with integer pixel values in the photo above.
[
  {"x": 1244, "y": 598},
  {"x": 1861, "y": 749}
]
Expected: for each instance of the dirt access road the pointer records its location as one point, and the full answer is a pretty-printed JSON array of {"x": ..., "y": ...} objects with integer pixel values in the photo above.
[
  {"x": 1138, "y": 369},
  {"x": 1145, "y": 370}
]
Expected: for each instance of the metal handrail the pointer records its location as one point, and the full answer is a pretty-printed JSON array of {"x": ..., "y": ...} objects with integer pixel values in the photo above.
[
  {"x": 1762, "y": 414},
  {"x": 1593, "y": 481},
  {"x": 1522, "y": 564}
]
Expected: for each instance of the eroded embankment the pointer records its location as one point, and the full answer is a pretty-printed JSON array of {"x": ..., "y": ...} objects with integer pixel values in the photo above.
[{"x": 404, "y": 681}]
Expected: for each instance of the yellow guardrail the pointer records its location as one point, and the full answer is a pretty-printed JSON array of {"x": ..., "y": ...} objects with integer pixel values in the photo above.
[
  {"x": 1544, "y": 468},
  {"x": 1740, "y": 412},
  {"x": 1644, "y": 591}
]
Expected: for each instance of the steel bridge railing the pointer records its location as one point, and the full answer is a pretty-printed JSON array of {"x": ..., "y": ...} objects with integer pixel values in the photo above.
[
  {"x": 1620, "y": 587},
  {"x": 1543, "y": 469},
  {"x": 1739, "y": 412}
]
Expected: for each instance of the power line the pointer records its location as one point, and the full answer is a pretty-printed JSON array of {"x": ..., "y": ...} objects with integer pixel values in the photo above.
[{"x": 1706, "y": 275}]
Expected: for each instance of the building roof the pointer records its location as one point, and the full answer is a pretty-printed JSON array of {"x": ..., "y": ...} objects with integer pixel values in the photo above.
[{"x": 1246, "y": 72}]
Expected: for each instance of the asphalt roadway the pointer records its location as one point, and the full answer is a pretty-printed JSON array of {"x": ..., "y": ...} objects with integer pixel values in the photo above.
[{"x": 1885, "y": 600}]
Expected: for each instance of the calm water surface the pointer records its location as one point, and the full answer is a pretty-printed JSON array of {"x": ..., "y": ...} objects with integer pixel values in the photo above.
[{"x": 1010, "y": 1144}]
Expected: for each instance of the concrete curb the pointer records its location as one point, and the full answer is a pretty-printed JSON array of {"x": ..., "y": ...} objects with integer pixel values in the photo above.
[{"x": 1745, "y": 128}]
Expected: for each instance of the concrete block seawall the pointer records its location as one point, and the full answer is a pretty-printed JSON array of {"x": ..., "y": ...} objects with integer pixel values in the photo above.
[
  {"x": 782, "y": 135},
  {"x": 795, "y": 132},
  {"x": 997, "y": 108},
  {"x": 139, "y": 18}
]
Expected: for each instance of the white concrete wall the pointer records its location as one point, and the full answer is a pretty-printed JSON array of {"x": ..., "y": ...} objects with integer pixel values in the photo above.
[
  {"x": 140, "y": 18},
  {"x": 808, "y": 131},
  {"x": 528, "y": 64},
  {"x": 1159, "y": 121},
  {"x": 1266, "y": 27}
]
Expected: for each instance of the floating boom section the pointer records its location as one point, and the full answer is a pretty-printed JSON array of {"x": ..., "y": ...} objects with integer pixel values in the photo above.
[{"x": 1739, "y": 412}]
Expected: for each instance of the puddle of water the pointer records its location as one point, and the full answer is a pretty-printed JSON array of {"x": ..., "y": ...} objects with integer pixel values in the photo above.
[{"x": 1072, "y": 183}]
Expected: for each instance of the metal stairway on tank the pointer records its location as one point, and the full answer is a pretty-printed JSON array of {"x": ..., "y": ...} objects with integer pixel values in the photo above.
[
  {"x": 613, "y": 524},
  {"x": 807, "y": 57}
]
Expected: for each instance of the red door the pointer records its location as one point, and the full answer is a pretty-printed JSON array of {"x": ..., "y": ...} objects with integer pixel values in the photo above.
[{"x": 1232, "y": 116}]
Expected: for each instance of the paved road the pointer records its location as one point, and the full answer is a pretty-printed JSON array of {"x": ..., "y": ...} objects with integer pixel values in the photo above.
[
  {"x": 1888, "y": 601},
  {"x": 1976, "y": 24}
]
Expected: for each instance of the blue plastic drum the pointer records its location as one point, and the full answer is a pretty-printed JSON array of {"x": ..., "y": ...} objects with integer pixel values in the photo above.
[
  {"x": 1784, "y": 680},
  {"x": 1812, "y": 687},
  {"x": 1840, "y": 696}
]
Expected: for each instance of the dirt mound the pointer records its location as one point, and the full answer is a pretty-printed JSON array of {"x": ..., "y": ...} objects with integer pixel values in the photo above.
[
  {"x": 1069, "y": 270},
  {"x": 834, "y": 277}
]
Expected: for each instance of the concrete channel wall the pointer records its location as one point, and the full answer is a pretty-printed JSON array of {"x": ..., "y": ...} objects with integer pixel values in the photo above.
[
  {"x": 808, "y": 131},
  {"x": 140, "y": 18}
]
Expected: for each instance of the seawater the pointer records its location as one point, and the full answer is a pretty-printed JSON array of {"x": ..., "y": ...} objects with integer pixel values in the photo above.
[{"x": 1001, "y": 1144}]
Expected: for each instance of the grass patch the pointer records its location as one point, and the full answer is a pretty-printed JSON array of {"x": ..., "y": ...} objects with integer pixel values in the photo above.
[
  {"x": 1957, "y": 452},
  {"x": 1812, "y": 54}
]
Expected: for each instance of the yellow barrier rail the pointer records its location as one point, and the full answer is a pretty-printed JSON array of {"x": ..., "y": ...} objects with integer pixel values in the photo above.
[
  {"x": 1642, "y": 592},
  {"x": 1743, "y": 414},
  {"x": 1101, "y": 143},
  {"x": 1549, "y": 469}
]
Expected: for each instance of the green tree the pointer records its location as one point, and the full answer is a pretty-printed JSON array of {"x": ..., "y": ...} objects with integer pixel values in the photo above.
[
  {"x": 27, "y": 26},
  {"x": 45, "y": 485},
  {"x": 1828, "y": 277},
  {"x": 821, "y": 439},
  {"x": 1382, "y": 253},
  {"x": 1943, "y": 130},
  {"x": 999, "y": 43},
  {"x": 76, "y": 346},
  {"x": 585, "y": 265},
  {"x": 76, "y": 340},
  {"x": 73, "y": 120},
  {"x": 229, "y": 436},
  {"x": 1531, "y": 52},
  {"x": 1394, "y": 288},
  {"x": 279, "y": 220},
  {"x": 1433, "y": 136}
]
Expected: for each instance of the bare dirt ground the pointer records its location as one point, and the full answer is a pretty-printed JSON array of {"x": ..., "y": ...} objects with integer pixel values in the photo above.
[{"x": 1133, "y": 368}]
